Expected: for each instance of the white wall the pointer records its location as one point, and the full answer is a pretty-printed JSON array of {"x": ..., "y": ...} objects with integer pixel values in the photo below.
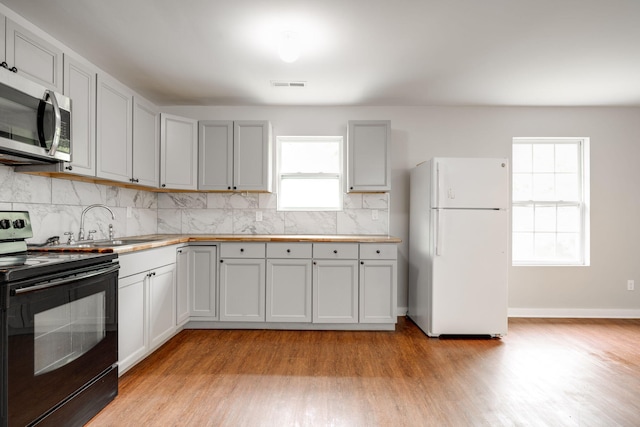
[{"x": 419, "y": 133}]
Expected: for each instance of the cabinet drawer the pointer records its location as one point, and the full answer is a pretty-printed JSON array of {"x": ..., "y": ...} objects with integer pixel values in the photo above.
[
  {"x": 135, "y": 262},
  {"x": 289, "y": 250},
  {"x": 335, "y": 250},
  {"x": 242, "y": 250},
  {"x": 378, "y": 251}
]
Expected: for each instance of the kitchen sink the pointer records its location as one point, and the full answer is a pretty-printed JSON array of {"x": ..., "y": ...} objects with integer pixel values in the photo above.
[
  {"x": 118, "y": 242},
  {"x": 106, "y": 243}
]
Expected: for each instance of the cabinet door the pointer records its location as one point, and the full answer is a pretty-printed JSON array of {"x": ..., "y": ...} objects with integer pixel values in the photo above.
[
  {"x": 378, "y": 291},
  {"x": 162, "y": 304},
  {"x": 335, "y": 291},
  {"x": 203, "y": 268},
  {"x": 242, "y": 290},
  {"x": 215, "y": 155},
  {"x": 178, "y": 152},
  {"x": 369, "y": 165},
  {"x": 34, "y": 58},
  {"x": 80, "y": 86},
  {"x": 146, "y": 143},
  {"x": 3, "y": 23},
  {"x": 114, "y": 138},
  {"x": 132, "y": 314},
  {"x": 288, "y": 290},
  {"x": 182, "y": 285},
  {"x": 252, "y": 156}
]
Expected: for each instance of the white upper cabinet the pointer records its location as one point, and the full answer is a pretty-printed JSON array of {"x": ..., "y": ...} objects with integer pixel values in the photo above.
[
  {"x": 114, "y": 137},
  {"x": 178, "y": 152},
  {"x": 215, "y": 155},
  {"x": 252, "y": 156},
  {"x": 146, "y": 143},
  {"x": 80, "y": 86},
  {"x": 3, "y": 23},
  {"x": 34, "y": 58},
  {"x": 369, "y": 160},
  {"x": 235, "y": 156}
]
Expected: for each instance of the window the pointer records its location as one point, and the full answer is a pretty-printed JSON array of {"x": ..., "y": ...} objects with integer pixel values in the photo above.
[
  {"x": 309, "y": 173},
  {"x": 550, "y": 201}
]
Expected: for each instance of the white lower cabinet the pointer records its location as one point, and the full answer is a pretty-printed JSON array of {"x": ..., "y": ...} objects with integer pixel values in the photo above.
[
  {"x": 288, "y": 290},
  {"x": 242, "y": 282},
  {"x": 146, "y": 303},
  {"x": 288, "y": 282},
  {"x": 335, "y": 291},
  {"x": 203, "y": 277},
  {"x": 182, "y": 285},
  {"x": 132, "y": 325},
  {"x": 378, "y": 283},
  {"x": 162, "y": 307},
  {"x": 335, "y": 283}
]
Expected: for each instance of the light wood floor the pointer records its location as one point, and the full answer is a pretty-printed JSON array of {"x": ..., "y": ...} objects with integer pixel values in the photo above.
[{"x": 544, "y": 373}]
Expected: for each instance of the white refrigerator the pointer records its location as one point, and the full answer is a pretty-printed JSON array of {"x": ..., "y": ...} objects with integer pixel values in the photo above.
[{"x": 459, "y": 246}]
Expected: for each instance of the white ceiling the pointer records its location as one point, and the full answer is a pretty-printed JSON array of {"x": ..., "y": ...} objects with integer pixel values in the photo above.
[{"x": 358, "y": 52}]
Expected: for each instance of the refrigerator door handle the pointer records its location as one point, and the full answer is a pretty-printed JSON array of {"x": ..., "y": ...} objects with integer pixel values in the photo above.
[
  {"x": 437, "y": 185},
  {"x": 438, "y": 243}
]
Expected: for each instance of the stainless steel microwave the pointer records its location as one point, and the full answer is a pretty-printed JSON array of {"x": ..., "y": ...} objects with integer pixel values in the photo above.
[{"x": 35, "y": 122}]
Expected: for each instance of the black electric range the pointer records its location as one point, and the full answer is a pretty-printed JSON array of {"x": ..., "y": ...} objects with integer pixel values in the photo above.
[{"x": 58, "y": 330}]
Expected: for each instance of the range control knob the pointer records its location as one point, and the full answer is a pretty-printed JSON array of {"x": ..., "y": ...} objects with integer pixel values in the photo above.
[
  {"x": 4, "y": 224},
  {"x": 18, "y": 223}
]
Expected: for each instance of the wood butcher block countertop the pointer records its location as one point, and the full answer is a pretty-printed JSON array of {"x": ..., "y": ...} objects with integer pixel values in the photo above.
[{"x": 158, "y": 240}]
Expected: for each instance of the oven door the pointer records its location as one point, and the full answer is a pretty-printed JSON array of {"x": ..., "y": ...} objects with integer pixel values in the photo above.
[{"x": 61, "y": 336}]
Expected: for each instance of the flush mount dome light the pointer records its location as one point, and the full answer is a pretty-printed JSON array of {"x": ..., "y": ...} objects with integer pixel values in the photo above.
[{"x": 289, "y": 46}]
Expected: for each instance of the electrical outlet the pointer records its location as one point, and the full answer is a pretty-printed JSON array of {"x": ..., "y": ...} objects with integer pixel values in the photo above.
[
  {"x": 258, "y": 216},
  {"x": 631, "y": 285},
  {"x": 374, "y": 214}
]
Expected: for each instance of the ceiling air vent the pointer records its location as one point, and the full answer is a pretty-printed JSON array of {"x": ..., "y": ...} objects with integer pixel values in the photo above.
[{"x": 281, "y": 83}]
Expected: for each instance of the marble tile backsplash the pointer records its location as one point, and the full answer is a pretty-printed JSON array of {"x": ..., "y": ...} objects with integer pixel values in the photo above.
[{"x": 55, "y": 206}]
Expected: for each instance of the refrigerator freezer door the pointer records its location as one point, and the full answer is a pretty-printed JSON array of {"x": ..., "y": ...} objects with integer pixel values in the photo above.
[
  {"x": 474, "y": 183},
  {"x": 469, "y": 282}
]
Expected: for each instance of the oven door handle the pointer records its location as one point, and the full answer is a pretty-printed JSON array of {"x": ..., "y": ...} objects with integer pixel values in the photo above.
[{"x": 65, "y": 280}]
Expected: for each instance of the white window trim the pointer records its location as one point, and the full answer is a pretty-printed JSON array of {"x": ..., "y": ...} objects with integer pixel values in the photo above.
[
  {"x": 585, "y": 232},
  {"x": 339, "y": 175}
]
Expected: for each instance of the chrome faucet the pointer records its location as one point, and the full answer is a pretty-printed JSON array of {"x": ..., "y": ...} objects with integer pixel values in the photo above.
[{"x": 81, "y": 232}]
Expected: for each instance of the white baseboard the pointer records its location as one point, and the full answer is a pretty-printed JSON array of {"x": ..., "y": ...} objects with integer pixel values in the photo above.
[{"x": 606, "y": 313}]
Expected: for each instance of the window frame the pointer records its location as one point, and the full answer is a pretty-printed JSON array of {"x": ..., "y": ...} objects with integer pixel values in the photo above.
[
  {"x": 582, "y": 203},
  {"x": 308, "y": 175}
]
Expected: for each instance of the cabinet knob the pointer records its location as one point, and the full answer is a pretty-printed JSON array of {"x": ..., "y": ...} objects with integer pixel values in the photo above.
[
  {"x": 241, "y": 249},
  {"x": 235, "y": 188},
  {"x": 229, "y": 188},
  {"x": 288, "y": 251},
  {"x": 221, "y": 261},
  {"x": 350, "y": 188},
  {"x": 164, "y": 185},
  {"x": 378, "y": 251},
  {"x": 69, "y": 167},
  {"x": 335, "y": 251},
  {"x": 362, "y": 262}
]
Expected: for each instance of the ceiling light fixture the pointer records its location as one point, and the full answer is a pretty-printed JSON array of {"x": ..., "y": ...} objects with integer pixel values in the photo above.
[{"x": 289, "y": 46}]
